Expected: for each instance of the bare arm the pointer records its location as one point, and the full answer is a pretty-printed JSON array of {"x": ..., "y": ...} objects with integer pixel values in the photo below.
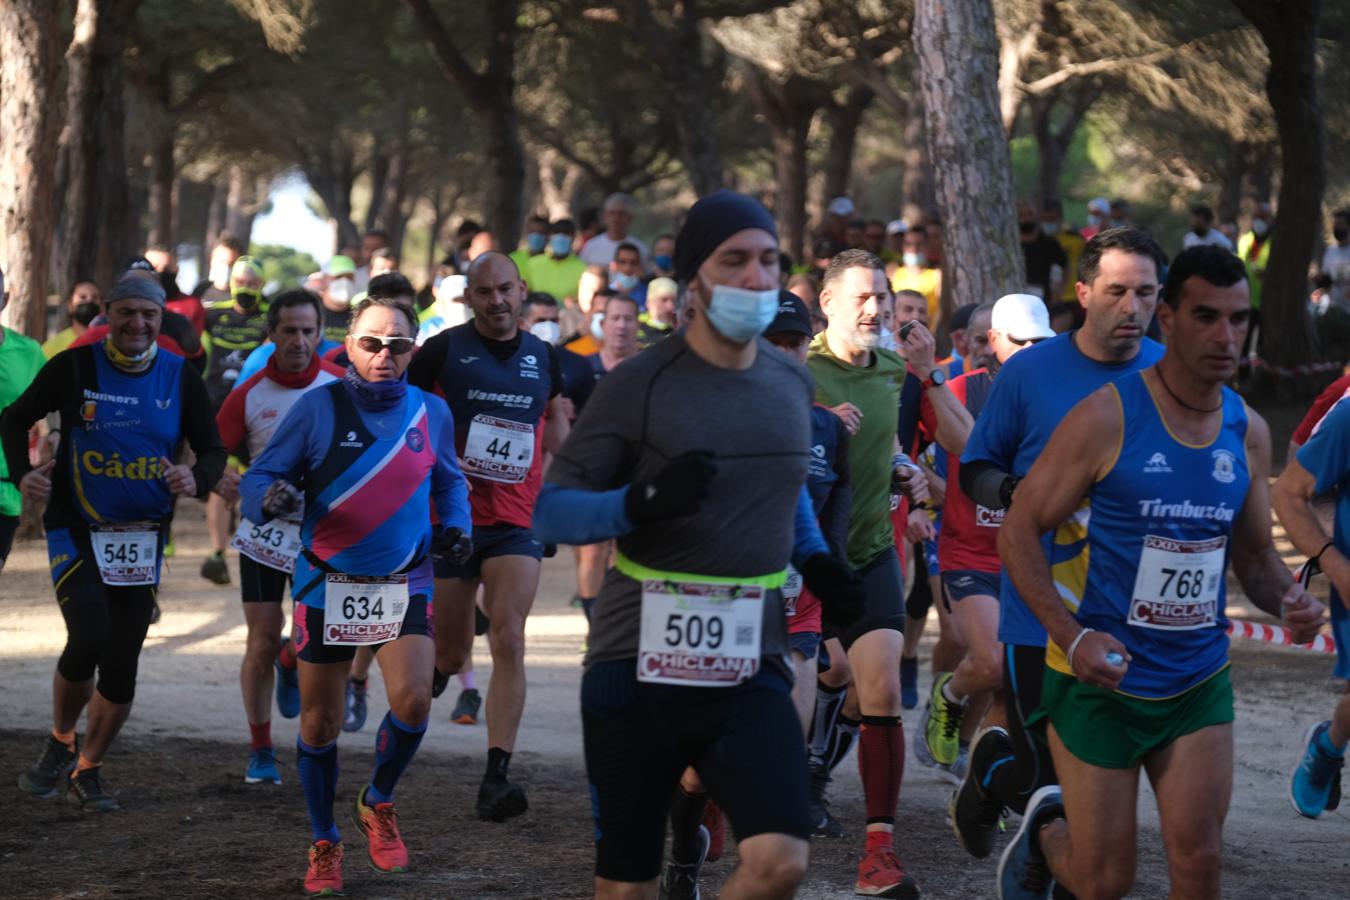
[
  {"x": 1292, "y": 498},
  {"x": 556, "y": 425},
  {"x": 953, "y": 419},
  {"x": 1079, "y": 452}
]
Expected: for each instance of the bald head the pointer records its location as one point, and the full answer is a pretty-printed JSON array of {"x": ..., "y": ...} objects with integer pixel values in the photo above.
[{"x": 494, "y": 292}]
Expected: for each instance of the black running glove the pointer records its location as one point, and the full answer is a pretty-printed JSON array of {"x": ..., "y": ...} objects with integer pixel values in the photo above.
[
  {"x": 282, "y": 500},
  {"x": 677, "y": 490},
  {"x": 838, "y": 589},
  {"x": 451, "y": 545}
]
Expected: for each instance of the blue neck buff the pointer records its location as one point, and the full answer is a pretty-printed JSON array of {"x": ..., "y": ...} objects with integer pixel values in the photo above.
[{"x": 375, "y": 396}]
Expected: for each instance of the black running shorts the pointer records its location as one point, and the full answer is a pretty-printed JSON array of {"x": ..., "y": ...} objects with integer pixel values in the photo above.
[
  {"x": 745, "y": 742},
  {"x": 259, "y": 583}
]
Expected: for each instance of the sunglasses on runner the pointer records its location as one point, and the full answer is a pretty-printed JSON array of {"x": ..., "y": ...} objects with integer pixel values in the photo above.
[{"x": 374, "y": 343}]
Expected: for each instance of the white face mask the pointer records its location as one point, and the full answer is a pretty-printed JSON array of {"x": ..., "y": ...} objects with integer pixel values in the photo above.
[
  {"x": 596, "y": 331},
  {"x": 340, "y": 290},
  {"x": 547, "y": 330},
  {"x": 887, "y": 341},
  {"x": 220, "y": 274}
]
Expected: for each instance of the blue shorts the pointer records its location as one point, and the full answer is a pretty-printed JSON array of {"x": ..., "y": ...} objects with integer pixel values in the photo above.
[
  {"x": 491, "y": 541},
  {"x": 807, "y": 643},
  {"x": 963, "y": 583}
]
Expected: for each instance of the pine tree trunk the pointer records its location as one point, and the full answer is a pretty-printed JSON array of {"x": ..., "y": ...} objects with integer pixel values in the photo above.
[
  {"x": 958, "y": 68},
  {"x": 1289, "y": 31},
  {"x": 845, "y": 119},
  {"x": 30, "y": 58}
]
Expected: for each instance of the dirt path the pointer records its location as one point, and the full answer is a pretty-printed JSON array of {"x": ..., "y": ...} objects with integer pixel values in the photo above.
[{"x": 190, "y": 826}]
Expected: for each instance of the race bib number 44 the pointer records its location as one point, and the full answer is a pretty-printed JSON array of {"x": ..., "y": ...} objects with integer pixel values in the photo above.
[
  {"x": 275, "y": 544},
  {"x": 792, "y": 591},
  {"x": 1177, "y": 587},
  {"x": 359, "y": 610},
  {"x": 499, "y": 449},
  {"x": 126, "y": 554},
  {"x": 700, "y": 635}
]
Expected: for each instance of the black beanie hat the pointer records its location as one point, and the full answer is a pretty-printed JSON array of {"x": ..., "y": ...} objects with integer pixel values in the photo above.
[{"x": 711, "y": 221}]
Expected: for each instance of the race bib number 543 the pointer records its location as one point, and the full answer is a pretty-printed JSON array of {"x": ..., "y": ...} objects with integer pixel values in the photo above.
[
  {"x": 700, "y": 635},
  {"x": 1177, "y": 587}
]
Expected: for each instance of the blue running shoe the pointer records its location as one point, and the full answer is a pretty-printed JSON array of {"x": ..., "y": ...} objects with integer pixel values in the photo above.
[
  {"x": 355, "y": 719},
  {"x": 262, "y": 766},
  {"x": 1022, "y": 871},
  {"x": 1315, "y": 785},
  {"x": 288, "y": 687},
  {"x": 909, "y": 681}
]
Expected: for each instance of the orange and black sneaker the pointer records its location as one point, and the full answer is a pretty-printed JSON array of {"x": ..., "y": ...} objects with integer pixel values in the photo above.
[
  {"x": 717, "y": 832},
  {"x": 379, "y": 823},
  {"x": 324, "y": 878},
  {"x": 881, "y": 874}
]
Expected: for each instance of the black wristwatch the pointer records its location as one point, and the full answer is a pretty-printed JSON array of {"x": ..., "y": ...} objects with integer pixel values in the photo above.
[{"x": 936, "y": 378}]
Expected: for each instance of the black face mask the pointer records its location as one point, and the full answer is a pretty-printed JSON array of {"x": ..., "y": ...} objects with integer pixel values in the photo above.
[
  {"x": 247, "y": 299},
  {"x": 1026, "y": 227},
  {"x": 169, "y": 279},
  {"x": 1200, "y": 230},
  {"x": 85, "y": 312},
  {"x": 1340, "y": 232}
]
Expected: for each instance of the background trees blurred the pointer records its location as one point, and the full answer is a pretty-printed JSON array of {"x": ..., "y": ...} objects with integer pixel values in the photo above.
[{"x": 130, "y": 121}]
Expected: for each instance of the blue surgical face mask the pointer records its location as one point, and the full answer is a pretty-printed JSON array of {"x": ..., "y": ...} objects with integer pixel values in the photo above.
[
  {"x": 624, "y": 283},
  {"x": 742, "y": 315},
  {"x": 1094, "y": 219},
  {"x": 560, "y": 245},
  {"x": 1050, "y": 228},
  {"x": 664, "y": 261},
  {"x": 1260, "y": 227},
  {"x": 534, "y": 242},
  {"x": 914, "y": 259}
]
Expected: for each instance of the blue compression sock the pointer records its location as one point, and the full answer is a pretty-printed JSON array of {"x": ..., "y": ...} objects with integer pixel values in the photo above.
[
  {"x": 395, "y": 744},
  {"x": 318, "y": 777}
]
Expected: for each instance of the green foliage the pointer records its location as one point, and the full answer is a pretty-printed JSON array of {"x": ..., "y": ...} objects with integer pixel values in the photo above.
[{"x": 283, "y": 267}]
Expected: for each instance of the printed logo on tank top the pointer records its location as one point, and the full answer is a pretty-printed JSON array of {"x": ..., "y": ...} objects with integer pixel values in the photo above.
[
  {"x": 1157, "y": 465},
  {"x": 989, "y": 518},
  {"x": 529, "y": 367},
  {"x": 351, "y": 441},
  {"x": 816, "y": 466},
  {"x": 1223, "y": 466}
]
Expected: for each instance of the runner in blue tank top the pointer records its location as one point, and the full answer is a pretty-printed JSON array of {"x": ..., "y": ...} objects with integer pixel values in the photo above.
[
  {"x": 360, "y": 461},
  {"x": 1174, "y": 467}
]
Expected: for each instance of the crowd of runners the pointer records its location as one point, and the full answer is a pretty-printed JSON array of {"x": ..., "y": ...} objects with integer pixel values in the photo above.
[{"x": 745, "y": 458}]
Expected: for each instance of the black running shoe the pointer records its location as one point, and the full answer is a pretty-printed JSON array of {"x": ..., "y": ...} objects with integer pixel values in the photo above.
[
  {"x": 438, "y": 682},
  {"x": 976, "y": 815},
  {"x": 86, "y": 791},
  {"x": 55, "y": 764},
  {"x": 215, "y": 569},
  {"x": 500, "y": 800},
  {"x": 680, "y": 880},
  {"x": 823, "y": 824}
]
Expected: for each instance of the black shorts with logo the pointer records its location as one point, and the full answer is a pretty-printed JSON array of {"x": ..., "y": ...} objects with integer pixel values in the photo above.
[{"x": 309, "y": 645}]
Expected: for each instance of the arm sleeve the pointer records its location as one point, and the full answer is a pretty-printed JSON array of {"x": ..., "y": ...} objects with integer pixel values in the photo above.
[
  {"x": 982, "y": 481},
  {"x": 230, "y": 421},
  {"x": 807, "y": 541},
  {"x": 287, "y": 453},
  {"x": 596, "y": 454},
  {"x": 54, "y": 383},
  {"x": 839, "y": 505},
  {"x": 200, "y": 430},
  {"x": 911, "y": 393},
  {"x": 449, "y": 489},
  {"x": 425, "y": 368},
  {"x": 578, "y": 516}
]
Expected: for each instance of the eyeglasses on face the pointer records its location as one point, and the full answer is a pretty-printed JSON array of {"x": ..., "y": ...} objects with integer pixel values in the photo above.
[{"x": 374, "y": 343}]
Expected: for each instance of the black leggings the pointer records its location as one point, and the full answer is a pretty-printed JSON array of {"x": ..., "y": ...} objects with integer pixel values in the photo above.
[
  {"x": 105, "y": 626},
  {"x": 1033, "y": 768}
]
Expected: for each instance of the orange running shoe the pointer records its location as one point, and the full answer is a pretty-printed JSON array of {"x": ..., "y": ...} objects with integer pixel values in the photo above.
[
  {"x": 324, "y": 878},
  {"x": 717, "y": 832},
  {"x": 881, "y": 874},
  {"x": 379, "y": 823}
]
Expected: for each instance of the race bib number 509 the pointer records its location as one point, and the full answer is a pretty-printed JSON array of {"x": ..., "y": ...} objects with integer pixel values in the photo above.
[{"x": 699, "y": 635}]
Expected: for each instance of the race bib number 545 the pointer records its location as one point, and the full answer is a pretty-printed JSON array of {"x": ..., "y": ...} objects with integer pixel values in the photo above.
[
  {"x": 1177, "y": 587},
  {"x": 126, "y": 554},
  {"x": 700, "y": 635}
]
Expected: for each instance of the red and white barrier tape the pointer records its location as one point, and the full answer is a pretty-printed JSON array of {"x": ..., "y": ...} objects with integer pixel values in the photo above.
[
  {"x": 1294, "y": 371},
  {"x": 1275, "y": 634}
]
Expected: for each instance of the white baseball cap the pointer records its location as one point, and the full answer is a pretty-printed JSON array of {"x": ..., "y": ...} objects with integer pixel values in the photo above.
[
  {"x": 841, "y": 206},
  {"x": 1022, "y": 317},
  {"x": 896, "y": 226}
]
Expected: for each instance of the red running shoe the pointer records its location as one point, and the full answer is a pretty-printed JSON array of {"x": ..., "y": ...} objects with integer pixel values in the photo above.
[
  {"x": 324, "y": 878},
  {"x": 379, "y": 823},
  {"x": 881, "y": 874},
  {"x": 717, "y": 832}
]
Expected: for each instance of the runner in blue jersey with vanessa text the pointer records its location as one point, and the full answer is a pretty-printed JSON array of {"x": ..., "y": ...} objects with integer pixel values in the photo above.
[
  {"x": 362, "y": 459},
  {"x": 1174, "y": 467}
]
